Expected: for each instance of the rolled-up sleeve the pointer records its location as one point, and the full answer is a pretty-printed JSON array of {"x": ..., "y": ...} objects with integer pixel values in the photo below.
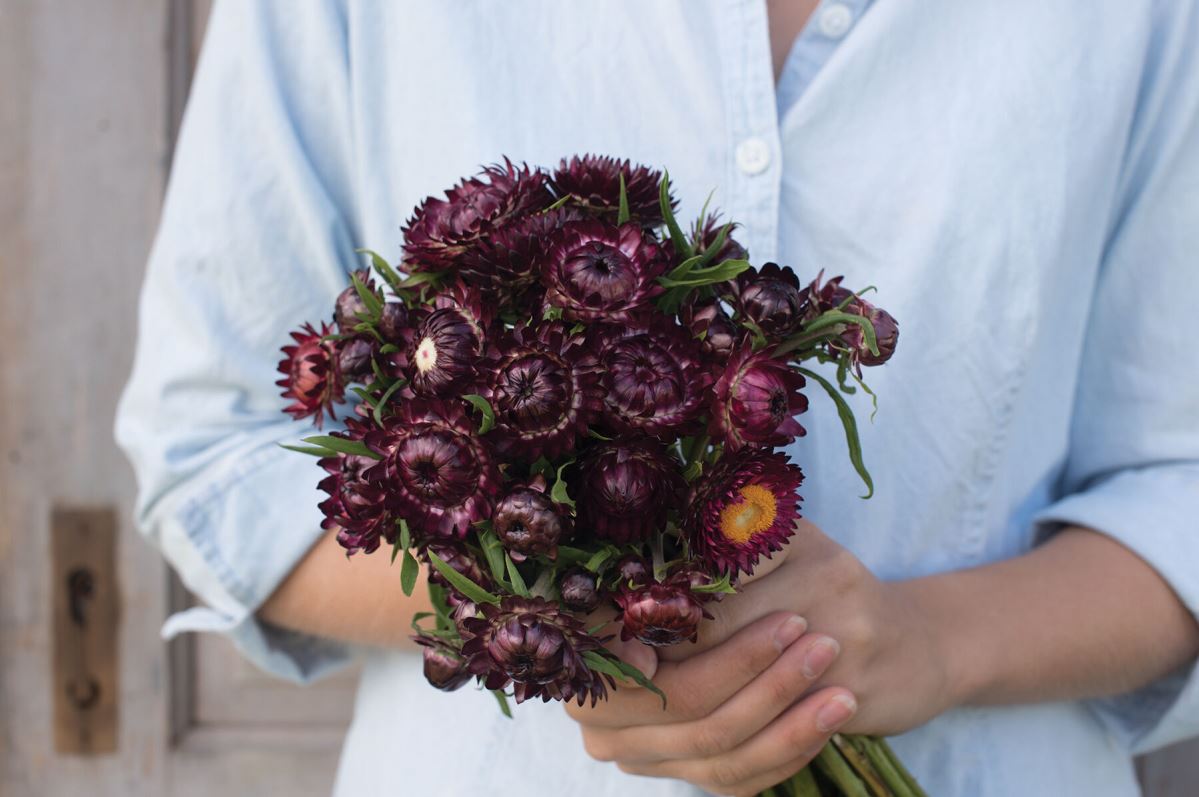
[
  {"x": 257, "y": 235},
  {"x": 1133, "y": 468}
]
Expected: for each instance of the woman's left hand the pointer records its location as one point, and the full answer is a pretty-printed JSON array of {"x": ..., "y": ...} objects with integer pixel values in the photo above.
[{"x": 882, "y": 652}]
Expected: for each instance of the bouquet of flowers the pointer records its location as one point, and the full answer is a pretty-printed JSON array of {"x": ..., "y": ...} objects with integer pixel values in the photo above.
[{"x": 568, "y": 402}]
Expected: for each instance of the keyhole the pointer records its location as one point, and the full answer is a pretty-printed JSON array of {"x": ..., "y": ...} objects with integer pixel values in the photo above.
[
  {"x": 81, "y": 586},
  {"x": 83, "y": 693}
]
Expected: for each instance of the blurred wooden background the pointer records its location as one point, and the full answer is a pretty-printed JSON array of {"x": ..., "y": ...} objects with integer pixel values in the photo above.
[{"x": 91, "y": 92}]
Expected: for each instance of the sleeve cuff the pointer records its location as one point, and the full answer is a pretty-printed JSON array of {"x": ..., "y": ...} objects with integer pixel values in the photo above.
[
  {"x": 233, "y": 542},
  {"x": 1152, "y": 512}
]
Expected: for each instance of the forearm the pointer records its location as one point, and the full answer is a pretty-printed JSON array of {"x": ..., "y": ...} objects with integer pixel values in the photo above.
[
  {"x": 1080, "y": 616},
  {"x": 356, "y": 599}
]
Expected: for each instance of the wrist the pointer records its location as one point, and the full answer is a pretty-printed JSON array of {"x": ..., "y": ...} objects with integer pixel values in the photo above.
[{"x": 956, "y": 651}]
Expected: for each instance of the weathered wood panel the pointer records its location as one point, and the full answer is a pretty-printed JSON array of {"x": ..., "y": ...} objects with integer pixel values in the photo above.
[{"x": 82, "y": 151}]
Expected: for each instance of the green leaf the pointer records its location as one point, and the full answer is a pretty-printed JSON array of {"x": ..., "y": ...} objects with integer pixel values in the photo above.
[
  {"x": 722, "y": 586},
  {"x": 834, "y": 317},
  {"x": 598, "y": 436},
  {"x": 382, "y": 266},
  {"x": 851, "y": 428},
  {"x": 598, "y": 559},
  {"x": 316, "y": 451},
  {"x": 514, "y": 576},
  {"x": 502, "y": 699},
  {"x": 694, "y": 471},
  {"x": 368, "y": 297},
  {"x": 461, "y": 583},
  {"x": 670, "y": 301},
  {"x": 409, "y": 570},
  {"x": 559, "y": 202},
  {"x": 683, "y": 269},
  {"x": 569, "y": 555},
  {"x": 622, "y": 215},
  {"x": 717, "y": 244},
  {"x": 623, "y": 671},
  {"x": 721, "y": 272},
  {"x": 382, "y": 405},
  {"x": 677, "y": 238},
  {"x": 493, "y": 551},
  {"x": 403, "y": 539},
  {"x": 558, "y": 493},
  {"x": 420, "y": 278},
  {"x": 341, "y": 445},
  {"x": 484, "y": 406},
  {"x": 437, "y": 597}
]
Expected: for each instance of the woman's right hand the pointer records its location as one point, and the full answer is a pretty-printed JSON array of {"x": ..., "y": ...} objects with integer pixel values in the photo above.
[{"x": 736, "y": 721}]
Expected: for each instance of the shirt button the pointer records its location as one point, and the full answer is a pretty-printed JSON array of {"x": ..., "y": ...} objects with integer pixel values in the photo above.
[
  {"x": 835, "y": 20},
  {"x": 753, "y": 155}
]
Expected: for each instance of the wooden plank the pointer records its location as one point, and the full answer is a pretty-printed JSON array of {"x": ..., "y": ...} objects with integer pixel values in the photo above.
[
  {"x": 82, "y": 158},
  {"x": 84, "y": 586}
]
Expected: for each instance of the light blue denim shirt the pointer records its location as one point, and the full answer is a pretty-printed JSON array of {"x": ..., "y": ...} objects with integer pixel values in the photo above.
[{"x": 1019, "y": 179}]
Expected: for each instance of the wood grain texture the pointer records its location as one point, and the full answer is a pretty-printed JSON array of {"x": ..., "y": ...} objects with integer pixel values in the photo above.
[{"x": 85, "y": 133}]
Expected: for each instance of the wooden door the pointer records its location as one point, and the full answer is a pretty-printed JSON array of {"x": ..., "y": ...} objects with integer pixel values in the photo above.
[{"x": 90, "y": 95}]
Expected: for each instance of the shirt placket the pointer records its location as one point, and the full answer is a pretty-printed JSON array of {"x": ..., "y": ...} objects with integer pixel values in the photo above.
[{"x": 753, "y": 172}]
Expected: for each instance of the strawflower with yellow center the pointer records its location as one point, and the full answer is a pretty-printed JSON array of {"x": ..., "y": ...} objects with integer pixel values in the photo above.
[{"x": 743, "y": 509}]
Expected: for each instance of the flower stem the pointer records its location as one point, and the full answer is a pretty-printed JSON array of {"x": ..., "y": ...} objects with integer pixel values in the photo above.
[
  {"x": 883, "y": 766},
  {"x": 862, "y": 765},
  {"x": 834, "y": 767}
]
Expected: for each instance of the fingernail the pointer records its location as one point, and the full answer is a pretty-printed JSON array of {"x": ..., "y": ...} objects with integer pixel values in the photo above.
[
  {"x": 791, "y": 630},
  {"x": 820, "y": 656},
  {"x": 835, "y": 713}
]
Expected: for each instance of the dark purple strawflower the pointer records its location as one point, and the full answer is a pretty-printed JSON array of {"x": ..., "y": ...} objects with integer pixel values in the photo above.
[
  {"x": 533, "y": 645},
  {"x": 853, "y": 339},
  {"x": 506, "y": 264},
  {"x": 354, "y": 359},
  {"x": 356, "y": 508},
  {"x": 440, "y": 476},
  {"x": 393, "y": 322},
  {"x": 659, "y": 614},
  {"x": 545, "y": 391},
  {"x": 744, "y": 508},
  {"x": 593, "y": 184},
  {"x": 441, "y": 231},
  {"x": 771, "y": 298},
  {"x": 445, "y": 668},
  {"x": 446, "y": 347},
  {"x": 349, "y": 307},
  {"x": 624, "y": 490},
  {"x": 528, "y": 523},
  {"x": 824, "y": 296},
  {"x": 755, "y": 402},
  {"x": 579, "y": 590},
  {"x": 708, "y": 322},
  {"x": 655, "y": 378},
  {"x": 310, "y": 375},
  {"x": 704, "y": 234},
  {"x": 597, "y": 272},
  {"x": 634, "y": 570}
]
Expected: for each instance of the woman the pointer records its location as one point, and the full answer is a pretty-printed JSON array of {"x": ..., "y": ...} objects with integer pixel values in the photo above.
[{"x": 1018, "y": 180}]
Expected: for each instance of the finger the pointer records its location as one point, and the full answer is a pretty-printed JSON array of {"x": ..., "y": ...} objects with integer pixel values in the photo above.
[
  {"x": 810, "y": 555},
  {"x": 799, "y": 733},
  {"x": 633, "y": 652},
  {"x": 734, "y": 722},
  {"x": 694, "y": 688}
]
